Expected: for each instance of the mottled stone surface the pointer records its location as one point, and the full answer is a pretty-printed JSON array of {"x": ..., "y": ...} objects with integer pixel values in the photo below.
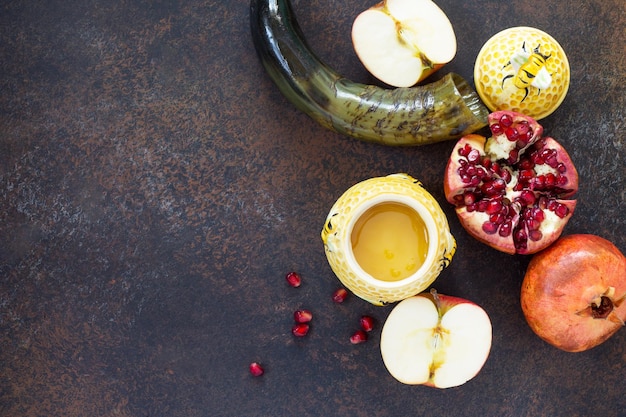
[{"x": 155, "y": 187}]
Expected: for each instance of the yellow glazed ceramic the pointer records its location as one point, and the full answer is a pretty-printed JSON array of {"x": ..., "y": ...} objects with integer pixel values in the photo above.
[
  {"x": 522, "y": 69},
  {"x": 398, "y": 233}
]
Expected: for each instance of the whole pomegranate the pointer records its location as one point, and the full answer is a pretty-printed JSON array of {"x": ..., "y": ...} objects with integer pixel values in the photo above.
[
  {"x": 512, "y": 190},
  {"x": 574, "y": 292}
]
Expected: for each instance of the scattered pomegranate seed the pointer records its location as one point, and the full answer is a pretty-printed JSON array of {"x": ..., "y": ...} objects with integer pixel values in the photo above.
[
  {"x": 300, "y": 329},
  {"x": 358, "y": 337},
  {"x": 367, "y": 323},
  {"x": 340, "y": 295},
  {"x": 256, "y": 369},
  {"x": 302, "y": 316},
  {"x": 294, "y": 279}
]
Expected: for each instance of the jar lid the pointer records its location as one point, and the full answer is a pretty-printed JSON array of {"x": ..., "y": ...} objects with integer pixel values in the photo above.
[{"x": 522, "y": 69}]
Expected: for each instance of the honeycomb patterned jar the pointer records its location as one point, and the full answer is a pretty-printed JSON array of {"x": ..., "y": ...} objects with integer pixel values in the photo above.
[
  {"x": 522, "y": 69},
  {"x": 337, "y": 236}
]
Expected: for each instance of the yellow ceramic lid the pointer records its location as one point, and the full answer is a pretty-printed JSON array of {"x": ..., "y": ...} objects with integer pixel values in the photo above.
[{"x": 522, "y": 69}]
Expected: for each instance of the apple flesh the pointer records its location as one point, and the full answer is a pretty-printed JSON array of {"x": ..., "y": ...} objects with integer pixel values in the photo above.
[
  {"x": 435, "y": 340},
  {"x": 401, "y": 42},
  {"x": 573, "y": 294}
]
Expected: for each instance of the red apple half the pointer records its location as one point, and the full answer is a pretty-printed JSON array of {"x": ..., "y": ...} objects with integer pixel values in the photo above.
[
  {"x": 573, "y": 294},
  {"x": 401, "y": 42},
  {"x": 435, "y": 340}
]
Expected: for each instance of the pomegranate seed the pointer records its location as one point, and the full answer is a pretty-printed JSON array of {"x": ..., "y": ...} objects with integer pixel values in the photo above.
[
  {"x": 302, "y": 316},
  {"x": 528, "y": 197},
  {"x": 256, "y": 369},
  {"x": 562, "y": 211},
  {"x": 535, "y": 235},
  {"x": 537, "y": 159},
  {"x": 552, "y": 161},
  {"x": 495, "y": 206},
  {"x": 538, "y": 214},
  {"x": 506, "y": 176},
  {"x": 496, "y": 219},
  {"x": 552, "y": 205},
  {"x": 358, "y": 337},
  {"x": 493, "y": 188},
  {"x": 340, "y": 295},
  {"x": 511, "y": 134},
  {"x": 533, "y": 224},
  {"x": 367, "y": 323},
  {"x": 505, "y": 229},
  {"x": 300, "y": 329},
  {"x": 464, "y": 151},
  {"x": 523, "y": 129},
  {"x": 469, "y": 198},
  {"x": 506, "y": 120},
  {"x": 529, "y": 136},
  {"x": 490, "y": 228},
  {"x": 539, "y": 183},
  {"x": 473, "y": 156},
  {"x": 526, "y": 164},
  {"x": 496, "y": 129},
  {"x": 293, "y": 278}
]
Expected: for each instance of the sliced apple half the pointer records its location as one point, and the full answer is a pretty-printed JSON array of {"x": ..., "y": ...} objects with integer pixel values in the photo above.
[
  {"x": 435, "y": 340},
  {"x": 401, "y": 42}
]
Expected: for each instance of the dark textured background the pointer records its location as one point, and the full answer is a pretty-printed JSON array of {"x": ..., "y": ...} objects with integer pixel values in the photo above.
[{"x": 155, "y": 188}]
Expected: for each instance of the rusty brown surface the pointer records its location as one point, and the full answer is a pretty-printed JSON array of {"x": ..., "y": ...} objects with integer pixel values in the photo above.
[{"x": 155, "y": 188}]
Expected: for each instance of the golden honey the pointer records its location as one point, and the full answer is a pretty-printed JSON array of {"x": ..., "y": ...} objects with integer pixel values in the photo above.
[{"x": 390, "y": 241}]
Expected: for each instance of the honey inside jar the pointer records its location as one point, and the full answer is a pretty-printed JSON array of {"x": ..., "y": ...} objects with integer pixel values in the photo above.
[{"x": 390, "y": 241}]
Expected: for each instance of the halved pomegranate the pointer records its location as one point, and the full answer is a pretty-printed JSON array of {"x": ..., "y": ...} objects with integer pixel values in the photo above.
[{"x": 513, "y": 190}]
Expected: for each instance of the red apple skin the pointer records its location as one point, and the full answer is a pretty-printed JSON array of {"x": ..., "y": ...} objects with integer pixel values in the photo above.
[{"x": 561, "y": 283}]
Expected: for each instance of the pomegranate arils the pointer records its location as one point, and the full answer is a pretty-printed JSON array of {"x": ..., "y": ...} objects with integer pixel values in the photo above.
[
  {"x": 293, "y": 279},
  {"x": 300, "y": 329},
  {"x": 256, "y": 369},
  {"x": 511, "y": 134},
  {"x": 561, "y": 210},
  {"x": 496, "y": 129},
  {"x": 358, "y": 337},
  {"x": 495, "y": 206},
  {"x": 490, "y": 228},
  {"x": 506, "y": 185},
  {"x": 340, "y": 295},
  {"x": 513, "y": 156},
  {"x": 527, "y": 197},
  {"x": 464, "y": 151},
  {"x": 535, "y": 235},
  {"x": 473, "y": 156},
  {"x": 505, "y": 229},
  {"x": 367, "y": 323},
  {"x": 506, "y": 120},
  {"x": 302, "y": 316}
]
